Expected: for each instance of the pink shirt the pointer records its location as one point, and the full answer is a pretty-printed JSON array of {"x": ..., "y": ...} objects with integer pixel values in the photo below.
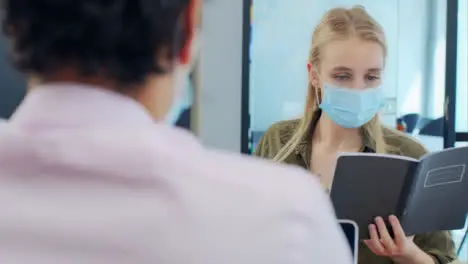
[{"x": 87, "y": 177}]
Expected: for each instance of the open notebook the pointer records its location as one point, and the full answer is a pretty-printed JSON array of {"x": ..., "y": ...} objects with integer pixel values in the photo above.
[{"x": 427, "y": 195}]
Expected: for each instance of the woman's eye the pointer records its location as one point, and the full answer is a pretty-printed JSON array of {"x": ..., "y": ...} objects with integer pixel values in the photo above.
[
  {"x": 372, "y": 78},
  {"x": 342, "y": 77}
]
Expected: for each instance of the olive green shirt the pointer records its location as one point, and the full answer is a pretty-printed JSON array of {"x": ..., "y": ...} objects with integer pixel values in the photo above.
[{"x": 438, "y": 244}]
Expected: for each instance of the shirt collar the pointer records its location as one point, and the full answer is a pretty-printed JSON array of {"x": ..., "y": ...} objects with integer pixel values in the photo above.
[{"x": 75, "y": 104}]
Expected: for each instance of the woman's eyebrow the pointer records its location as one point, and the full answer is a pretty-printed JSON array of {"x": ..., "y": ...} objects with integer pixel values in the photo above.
[
  {"x": 375, "y": 70},
  {"x": 342, "y": 68}
]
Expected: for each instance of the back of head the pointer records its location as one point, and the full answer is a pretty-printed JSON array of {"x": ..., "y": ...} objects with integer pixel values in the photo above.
[
  {"x": 121, "y": 40},
  {"x": 142, "y": 49}
]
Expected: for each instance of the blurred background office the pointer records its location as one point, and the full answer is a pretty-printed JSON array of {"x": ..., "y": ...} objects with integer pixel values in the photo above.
[
  {"x": 415, "y": 81},
  {"x": 426, "y": 75},
  {"x": 252, "y": 71}
]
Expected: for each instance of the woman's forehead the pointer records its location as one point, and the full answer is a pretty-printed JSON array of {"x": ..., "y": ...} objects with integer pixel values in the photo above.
[{"x": 354, "y": 54}]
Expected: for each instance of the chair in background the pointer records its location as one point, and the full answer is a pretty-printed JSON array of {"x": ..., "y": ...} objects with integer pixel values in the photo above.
[
  {"x": 184, "y": 119},
  {"x": 423, "y": 121},
  {"x": 411, "y": 121},
  {"x": 433, "y": 128}
]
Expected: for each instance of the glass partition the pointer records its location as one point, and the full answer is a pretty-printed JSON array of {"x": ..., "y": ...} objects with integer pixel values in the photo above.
[{"x": 414, "y": 76}]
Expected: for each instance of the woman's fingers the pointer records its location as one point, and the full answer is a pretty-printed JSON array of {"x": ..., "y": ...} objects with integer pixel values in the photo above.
[
  {"x": 387, "y": 240},
  {"x": 374, "y": 242},
  {"x": 382, "y": 243},
  {"x": 400, "y": 236}
]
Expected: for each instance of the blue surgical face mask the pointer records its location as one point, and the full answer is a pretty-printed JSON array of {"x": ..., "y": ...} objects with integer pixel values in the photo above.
[{"x": 351, "y": 108}]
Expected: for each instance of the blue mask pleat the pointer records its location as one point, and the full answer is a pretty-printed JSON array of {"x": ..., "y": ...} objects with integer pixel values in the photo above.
[{"x": 351, "y": 108}]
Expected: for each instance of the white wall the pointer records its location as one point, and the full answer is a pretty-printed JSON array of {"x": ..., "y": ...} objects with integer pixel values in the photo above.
[
  {"x": 281, "y": 39},
  {"x": 218, "y": 90},
  {"x": 414, "y": 46},
  {"x": 436, "y": 89}
]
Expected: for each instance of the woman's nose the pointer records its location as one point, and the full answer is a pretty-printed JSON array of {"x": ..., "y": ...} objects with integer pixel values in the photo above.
[{"x": 358, "y": 85}]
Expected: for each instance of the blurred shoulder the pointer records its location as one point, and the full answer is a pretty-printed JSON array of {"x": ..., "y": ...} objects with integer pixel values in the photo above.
[
  {"x": 280, "y": 182},
  {"x": 276, "y": 136},
  {"x": 232, "y": 171},
  {"x": 307, "y": 216},
  {"x": 3, "y": 123},
  {"x": 403, "y": 144}
]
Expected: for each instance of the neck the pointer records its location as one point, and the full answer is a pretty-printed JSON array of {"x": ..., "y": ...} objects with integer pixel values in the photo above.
[{"x": 329, "y": 134}]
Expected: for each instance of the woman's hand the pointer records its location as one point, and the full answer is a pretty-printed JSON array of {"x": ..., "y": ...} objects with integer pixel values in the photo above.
[{"x": 400, "y": 249}]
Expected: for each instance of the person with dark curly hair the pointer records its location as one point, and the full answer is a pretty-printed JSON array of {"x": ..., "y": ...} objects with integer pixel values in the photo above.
[{"x": 92, "y": 169}]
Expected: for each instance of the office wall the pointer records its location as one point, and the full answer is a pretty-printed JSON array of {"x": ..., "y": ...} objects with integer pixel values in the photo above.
[
  {"x": 281, "y": 39},
  {"x": 218, "y": 76}
]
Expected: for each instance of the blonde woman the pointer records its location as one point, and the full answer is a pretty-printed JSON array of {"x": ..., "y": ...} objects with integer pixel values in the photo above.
[{"x": 345, "y": 69}]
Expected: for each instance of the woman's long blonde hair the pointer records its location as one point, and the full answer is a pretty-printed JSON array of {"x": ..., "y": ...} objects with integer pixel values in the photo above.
[{"x": 338, "y": 23}]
